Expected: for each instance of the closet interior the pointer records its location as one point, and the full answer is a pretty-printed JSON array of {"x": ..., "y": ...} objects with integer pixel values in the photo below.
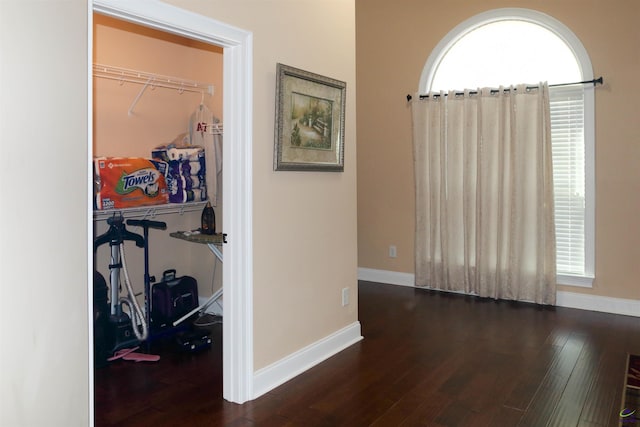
[{"x": 157, "y": 98}]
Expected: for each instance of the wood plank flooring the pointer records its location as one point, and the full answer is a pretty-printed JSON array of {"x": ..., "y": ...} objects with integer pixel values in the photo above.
[{"x": 427, "y": 359}]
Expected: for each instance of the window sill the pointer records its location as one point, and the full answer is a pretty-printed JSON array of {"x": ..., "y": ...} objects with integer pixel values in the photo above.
[{"x": 579, "y": 281}]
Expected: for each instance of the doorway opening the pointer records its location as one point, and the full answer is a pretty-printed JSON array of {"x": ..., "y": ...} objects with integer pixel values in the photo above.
[{"x": 237, "y": 180}]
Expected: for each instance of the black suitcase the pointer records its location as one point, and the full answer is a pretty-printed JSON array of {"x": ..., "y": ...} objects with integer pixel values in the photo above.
[{"x": 172, "y": 298}]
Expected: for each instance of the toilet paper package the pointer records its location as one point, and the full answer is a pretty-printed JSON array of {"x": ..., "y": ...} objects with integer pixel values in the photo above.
[
  {"x": 186, "y": 175},
  {"x": 125, "y": 182},
  {"x": 184, "y": 188}
]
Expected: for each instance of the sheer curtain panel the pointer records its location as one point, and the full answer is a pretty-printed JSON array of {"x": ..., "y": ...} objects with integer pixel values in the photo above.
[{"x": 484, "y": 193}]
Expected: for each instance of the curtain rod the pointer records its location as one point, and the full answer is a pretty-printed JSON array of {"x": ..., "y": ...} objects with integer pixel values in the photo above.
[{"x": 595, "y": 82}]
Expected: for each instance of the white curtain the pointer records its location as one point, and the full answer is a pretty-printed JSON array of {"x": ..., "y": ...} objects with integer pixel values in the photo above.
[{"x": 484, "y": 193}]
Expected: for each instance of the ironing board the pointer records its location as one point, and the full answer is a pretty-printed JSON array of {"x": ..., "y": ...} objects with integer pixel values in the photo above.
[{"x": 214, "y": 242}]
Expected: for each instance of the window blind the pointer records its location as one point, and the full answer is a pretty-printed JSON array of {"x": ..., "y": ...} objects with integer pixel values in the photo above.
[{"x": 568, "y": 150}]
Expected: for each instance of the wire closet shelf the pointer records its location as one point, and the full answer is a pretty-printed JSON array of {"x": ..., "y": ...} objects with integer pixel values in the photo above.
[
  {"x": 126, "y": 75},
  {"x": 153, "y": 80}
]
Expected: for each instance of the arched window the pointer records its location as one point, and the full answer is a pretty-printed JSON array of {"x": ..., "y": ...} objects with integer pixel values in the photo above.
[{"x": 511, "y": 46}]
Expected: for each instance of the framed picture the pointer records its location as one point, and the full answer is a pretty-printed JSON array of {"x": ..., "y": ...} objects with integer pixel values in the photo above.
[{"x": 309, "y": 121}]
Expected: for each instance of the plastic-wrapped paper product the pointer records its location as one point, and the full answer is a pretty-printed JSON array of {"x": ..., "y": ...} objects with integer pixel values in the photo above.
[
  {"x": 177, "y": 188},
  {"x": 196, "y": 167},
  {"x": 125, "y": 182},
  {"x": 193, "y": 182},
  {"x": 197, "y": 194},
  {"x": 181, "y": 190},
  {"x": 186, "y": 174}
]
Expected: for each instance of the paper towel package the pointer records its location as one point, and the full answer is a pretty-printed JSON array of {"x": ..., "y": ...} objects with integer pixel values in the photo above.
[{"x": 125, "y": 182}]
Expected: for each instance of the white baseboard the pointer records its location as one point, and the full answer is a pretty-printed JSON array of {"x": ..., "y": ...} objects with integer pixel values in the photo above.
[
  {"x": 278, "y": 373},
  {"x": 627, "y": 307},
  {"x": 384, "y": 276}
]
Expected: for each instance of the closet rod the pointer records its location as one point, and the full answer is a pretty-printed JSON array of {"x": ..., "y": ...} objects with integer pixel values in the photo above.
[
  {"x": 148, "y": 79},
  {"x": 595, "y": 82}
]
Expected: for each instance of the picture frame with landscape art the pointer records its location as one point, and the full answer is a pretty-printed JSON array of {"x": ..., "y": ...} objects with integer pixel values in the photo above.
[{"x": 309, "y": 121}]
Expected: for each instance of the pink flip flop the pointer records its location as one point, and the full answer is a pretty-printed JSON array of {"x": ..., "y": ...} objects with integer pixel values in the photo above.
[
  {"x": 129, "y": 354},
  {"x": 121, "y": 353},
  {"x": 141, "y": 357}
]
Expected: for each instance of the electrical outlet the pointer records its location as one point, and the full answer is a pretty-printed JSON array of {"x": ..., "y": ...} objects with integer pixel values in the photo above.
[
  {"x": 393, "y": 252},
  {"x": 345, "y": 296}
]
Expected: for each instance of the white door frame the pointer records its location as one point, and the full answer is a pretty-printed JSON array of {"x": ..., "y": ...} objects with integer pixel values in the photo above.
[{"x": 237, "y": 276}]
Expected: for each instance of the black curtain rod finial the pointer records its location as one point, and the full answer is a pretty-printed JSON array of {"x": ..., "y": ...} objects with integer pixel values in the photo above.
[{"x": 408, "y": 98}]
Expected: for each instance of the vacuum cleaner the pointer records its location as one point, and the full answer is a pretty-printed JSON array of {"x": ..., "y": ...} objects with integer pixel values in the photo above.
[{"x": 119, "y": 330}]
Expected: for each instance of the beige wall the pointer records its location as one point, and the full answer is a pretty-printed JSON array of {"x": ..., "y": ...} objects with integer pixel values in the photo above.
[
  {"x": 394, "y": 40},
  {"x": 44, "y": 245},
  {"x": 304, "y": 224},
  {"x": 160, "y": 114},
  {"x": 157, "y": 118}
]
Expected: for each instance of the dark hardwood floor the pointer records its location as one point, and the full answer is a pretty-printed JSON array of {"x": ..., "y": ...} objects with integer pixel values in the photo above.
[{"x": 427, "y": 358}]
